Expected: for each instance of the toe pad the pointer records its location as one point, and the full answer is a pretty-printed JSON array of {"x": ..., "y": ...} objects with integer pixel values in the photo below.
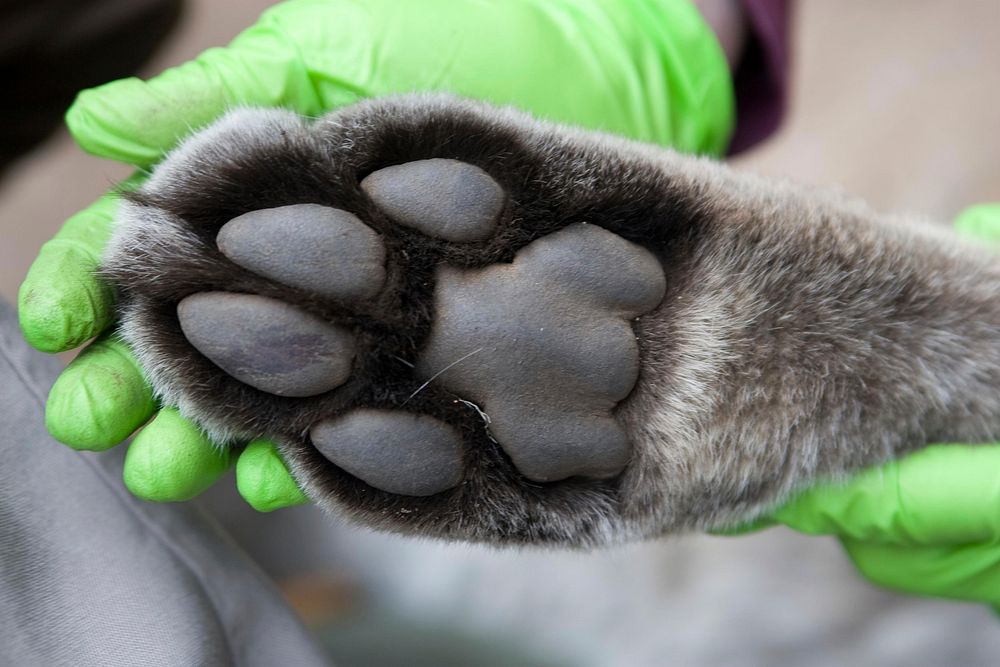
[
  {"x": 267, "y": 344},
  {"x": 315, "y": 248},
  {"x": 398, "y": 452},
  {"x": 447, "y": 199}
]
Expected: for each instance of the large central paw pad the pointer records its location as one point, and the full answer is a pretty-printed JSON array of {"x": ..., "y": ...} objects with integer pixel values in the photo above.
[{"x": 545, "y": 347}]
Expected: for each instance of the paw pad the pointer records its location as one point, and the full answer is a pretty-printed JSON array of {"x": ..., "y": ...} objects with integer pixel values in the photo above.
[
  {"x": 315, "y": 248},
  {"x": 447, "y": 199},
  {"x": 398, "y": 452},
  {"x": 545, "y": 347},
  {"x": 267, "y": 343}
]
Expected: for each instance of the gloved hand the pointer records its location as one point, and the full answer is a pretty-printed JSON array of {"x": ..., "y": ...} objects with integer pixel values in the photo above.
[
  {"x": 648, "y": 69},
  {"x": 929, "y": 523}
]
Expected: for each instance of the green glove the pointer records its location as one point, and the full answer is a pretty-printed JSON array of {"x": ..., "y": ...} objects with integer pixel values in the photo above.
[
  {"x": 647, "y": 69},
  {"x": 927, "y": 524}
]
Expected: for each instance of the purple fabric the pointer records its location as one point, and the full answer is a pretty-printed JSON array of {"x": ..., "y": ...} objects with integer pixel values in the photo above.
[{"x": 761, "y": 78}]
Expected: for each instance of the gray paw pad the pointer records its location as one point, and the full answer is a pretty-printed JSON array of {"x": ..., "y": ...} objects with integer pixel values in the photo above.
[
  {"x": 398, "y": 452},
  {"x": 546, "y": 348},
  {"x": 446, "y": 199},
  {"x": 316, "y": 248},
  {"x": 266, "y": 343}
]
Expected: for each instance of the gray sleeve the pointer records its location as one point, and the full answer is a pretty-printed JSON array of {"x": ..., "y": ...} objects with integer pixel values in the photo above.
[{"x": 89, "y": 575}]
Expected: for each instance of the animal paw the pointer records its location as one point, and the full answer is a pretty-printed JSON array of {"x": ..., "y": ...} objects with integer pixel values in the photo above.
[
  {"x": 458, "y": 321},
  {"x": 396, "y": 315}
]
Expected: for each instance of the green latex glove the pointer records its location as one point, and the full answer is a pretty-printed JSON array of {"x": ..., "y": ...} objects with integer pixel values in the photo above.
[
  {"x": 928, "y": 524},
  {"x": 647, "y": 69}
]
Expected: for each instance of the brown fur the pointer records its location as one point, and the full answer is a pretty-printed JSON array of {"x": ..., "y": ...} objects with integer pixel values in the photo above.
[{"x": 802, "y": 336}]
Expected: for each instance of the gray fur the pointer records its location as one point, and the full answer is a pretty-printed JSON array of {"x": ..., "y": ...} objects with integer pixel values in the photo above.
[{"x": 802, "y": 335}]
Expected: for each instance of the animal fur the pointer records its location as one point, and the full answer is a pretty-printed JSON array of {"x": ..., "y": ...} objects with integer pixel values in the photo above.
[{"x": 802, "y": 336}]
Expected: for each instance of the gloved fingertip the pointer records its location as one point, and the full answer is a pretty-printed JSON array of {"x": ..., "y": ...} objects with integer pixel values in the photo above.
[
  {"x": 42, "y": 320},
  {"x": 103, "y": 122},
  {"x": 61, "y": 303},
  {"x": 99, "y": 399},
  {"x": 98, "y": 125},
  {"x": 137, "y": 122},
  {"x": 263, "y": 479},
  {"x": 171, "y": 460},
  {"x": 980, "y": 222}
]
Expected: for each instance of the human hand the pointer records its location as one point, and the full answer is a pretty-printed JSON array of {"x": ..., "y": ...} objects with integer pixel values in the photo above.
[
  {"x": 929, "y": 523},
  {"x": 650, "y": 71}
]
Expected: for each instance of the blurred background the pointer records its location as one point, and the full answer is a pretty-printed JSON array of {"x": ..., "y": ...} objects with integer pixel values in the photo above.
[{"x": 896, "y": 102}]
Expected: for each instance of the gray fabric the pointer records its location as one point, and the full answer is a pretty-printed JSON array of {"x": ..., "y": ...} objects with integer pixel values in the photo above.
[{"x": 90, "y": 575}]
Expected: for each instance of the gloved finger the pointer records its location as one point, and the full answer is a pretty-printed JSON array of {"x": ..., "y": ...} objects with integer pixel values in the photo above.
[
  {"x": 942, "y": 495},
  {"x": 62, "y": 304},
  {"x": 264, "y": 481},
  {"x": 136, "y": 121},
  {"x": 961, "y": 572},
  {"x": 663, "y": 76},
  {"x": 100, "y": 399},
  {"x": 980, "y": 222},
  {"x": 172, "y": 460}
]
